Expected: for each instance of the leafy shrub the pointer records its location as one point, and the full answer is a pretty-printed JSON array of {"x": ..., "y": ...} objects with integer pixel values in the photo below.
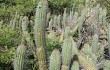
[
  {"x": 9, "y": 37},
  {"x": 59, "y": 5}
]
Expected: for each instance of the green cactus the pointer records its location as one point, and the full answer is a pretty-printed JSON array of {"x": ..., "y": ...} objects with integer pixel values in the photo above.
[
  {"x": 55, "y": 60},
  {"x": 1, "y": 23},
  {"x": 74, "y": 48},
  {"x": 107, "y": 65},
  {"x": 67, "y": 32},
  {"x": 25, "y": 23},
  {"x": 50, "y": 24},
  {"x": 95, "y": 45},
  {"x": 85, "y": 62},
  {"x": 48, "y": 17},
  {"x": 75, "y": 65},
  {"x": 87, "y": 49},
  {"x": 104, "y": 15},
  {"x": 39, "y": 31},
  {"x": 64, "y": 18},
  {"x": 109, "y": 38},
  {"x": 19, "y": 57},
  {"x": 66, "y": 52},
  {"x": 59, "y": 21},
  {"x": 55, "y": 21}
]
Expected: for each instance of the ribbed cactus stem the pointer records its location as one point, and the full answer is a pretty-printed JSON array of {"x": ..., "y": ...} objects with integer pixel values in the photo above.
[
  {"x": 13, "y": 24},
  {"x": 85, "y": 63},
  {"x": 95, "y": 45},
  {"x": 1, "y": 23},
  {"x": 74, "y": 47},
  {"x": 39, "y": 31},
  {"x": 25, "y": 33},
  {"x": 67, "y": 31},
  {"x": 55, "y": 21},
  {"x": 64, "y": 18},
  {"x": 87, "y": 49},
  {"x": 109, "y": 38},
  {"x": 107, "y": 65},
  {"x": 75, "y": 65},
  {"x": 55, "y": 60},
  {"x": 50, "y": 24},
  {"x": 65, "y": 67},
  {"x": 25, "y": 23},
  {"x": 48, "y": 17},
  {"x": 104, "y": 15},
  {"x": 19, "y": 57},
  {"x": 59, "y": 21},
  {"x": 66, "y": 52}
]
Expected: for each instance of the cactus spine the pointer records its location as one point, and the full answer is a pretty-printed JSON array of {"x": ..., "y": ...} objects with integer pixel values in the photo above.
[
  {"x": 19, "y": 57},
  {"x": 39, "y": 30}
]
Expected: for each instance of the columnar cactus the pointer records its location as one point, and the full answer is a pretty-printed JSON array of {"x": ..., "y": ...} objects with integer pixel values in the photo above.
[
  {"x": 95, "y": 45},
  {"x": 55, "y": 60},
  {"x": 1, "y": 23},
  {"x": 66, "y": 53},
  {"x": 25, "y": 23},
  {"x": 109, "y": 38},
  {"x": 85, "y": 63},
  {"x": 107, "y": 65},
  {"x": 25, "y": 33},
  {"x": 19, "y": 57},
  {"x": 39, "y": 31},
  {"x": 75, "y": 65},
  {"x": 64, "y": 19}
]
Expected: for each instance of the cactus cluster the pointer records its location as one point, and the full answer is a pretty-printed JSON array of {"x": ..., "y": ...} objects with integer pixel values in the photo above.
[{"x": 85, "y": 52}]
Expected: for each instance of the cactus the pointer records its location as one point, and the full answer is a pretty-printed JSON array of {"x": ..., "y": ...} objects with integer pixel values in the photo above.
[
  {"x": 50, "y": 23},
  {"x": 74, "y": 48},
  {"x": 109, "y": 38},
  {"x": 25, "y": 23},
  {"x": 67, "y": 32},
  {"x": 1, "y": 23},
  {"x": 19, "y": 57},
  {"x": 59, "y": 21},
  {"x": 75, "y": 65},
  {"x": 48, "y": 17},
  {"x": 64, "y": 19},
  {"x": 55, "y": 60},
  {"x": 55, "y": 21},
  {"x": 85, "y": 63},
  {"x": 39, "y": 31},
  {"x": 107, "y": 65},
  {"x": 66, "y": 53},
  {"x": 95, "y": 46},
  {"x": 87, "y": 49}
]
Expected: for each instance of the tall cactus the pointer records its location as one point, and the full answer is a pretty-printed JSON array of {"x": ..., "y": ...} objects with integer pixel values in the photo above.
[
  {"x": 39, "y": 31},
  {"x": 19, "y": 57}
]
